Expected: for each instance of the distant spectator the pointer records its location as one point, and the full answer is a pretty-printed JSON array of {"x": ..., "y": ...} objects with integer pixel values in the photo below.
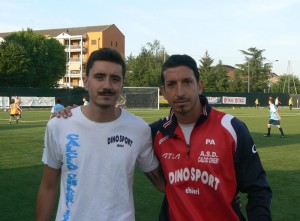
[
  {"x": 277, "y": 102},
  {"x": 18, "y": 103},
  {"x": 58, "y": 106},
  {"x": 14, "y": 111},
  {"x": 256, "y": 103},
  {"x": 291, "y": 103},
  {"x": 85, "y": 101}
]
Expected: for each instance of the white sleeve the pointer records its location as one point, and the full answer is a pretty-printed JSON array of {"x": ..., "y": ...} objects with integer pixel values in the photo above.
[
  {"x": 273, "y": 108},
  {"x": 147, "y": 161},
  {"x": 51, "y": 155}
]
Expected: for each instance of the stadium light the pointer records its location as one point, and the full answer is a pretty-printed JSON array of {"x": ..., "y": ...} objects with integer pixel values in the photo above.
[{"x": 248, "y": 79}]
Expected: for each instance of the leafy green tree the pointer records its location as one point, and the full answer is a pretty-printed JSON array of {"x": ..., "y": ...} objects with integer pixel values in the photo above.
[
  {"x": 144, "y": 70},
  {"x": 13, "y": 65},
  {"x": 206, "y": 73},
  {"x": 221, "y": 78},
  {"x": 42, "y": 64},
  {"x": 255, "y": 69},
  {"x": 237, "y": 84},
  {"x": 214, "y": 77},
  {"x": 287, "y": 83}
]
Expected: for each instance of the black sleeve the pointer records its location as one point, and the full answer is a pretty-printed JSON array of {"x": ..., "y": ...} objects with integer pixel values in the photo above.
[
  {"x": 164, "y": 211},
  {"x": 250, "y": 175},
  {"x": 154, "y": 128}
]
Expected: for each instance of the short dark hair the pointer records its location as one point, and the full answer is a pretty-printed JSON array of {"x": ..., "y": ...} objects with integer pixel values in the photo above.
[
  {"x": 105, "y": 54},
  {"x": 180, "y": 60}
]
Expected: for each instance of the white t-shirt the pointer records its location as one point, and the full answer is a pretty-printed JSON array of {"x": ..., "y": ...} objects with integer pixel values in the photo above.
[
  {"x": 187, "y": 130},
  {"x": 273, "y": 110},
  {"x": 98, "y": 162}
]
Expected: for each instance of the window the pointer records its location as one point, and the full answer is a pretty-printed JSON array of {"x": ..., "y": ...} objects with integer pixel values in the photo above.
[
  {"x": 116, "y": 44},
  {"x": 93, "y": 42}
]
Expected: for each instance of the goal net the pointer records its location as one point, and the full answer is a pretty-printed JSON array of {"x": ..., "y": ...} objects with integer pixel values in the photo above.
[{"x": 139, "y": 97}]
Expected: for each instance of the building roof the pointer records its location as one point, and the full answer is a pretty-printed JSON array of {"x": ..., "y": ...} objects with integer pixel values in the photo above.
[{"x": 71, "y": 31}]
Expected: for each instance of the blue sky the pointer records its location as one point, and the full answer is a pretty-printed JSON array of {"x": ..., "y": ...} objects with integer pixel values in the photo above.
[{"x": 222, "y": 28}]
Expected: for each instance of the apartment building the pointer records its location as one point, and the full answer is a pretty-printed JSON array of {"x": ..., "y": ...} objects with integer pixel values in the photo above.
[{"x": 79, "y": 43}]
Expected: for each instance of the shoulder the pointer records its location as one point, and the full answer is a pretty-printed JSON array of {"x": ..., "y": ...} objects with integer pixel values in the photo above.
[
  {"x": 57, "y": 122},
  {"x": 233, "y": 125},
  {"x": 133, "y": 119},
  {"x": 157, "y": 126}
]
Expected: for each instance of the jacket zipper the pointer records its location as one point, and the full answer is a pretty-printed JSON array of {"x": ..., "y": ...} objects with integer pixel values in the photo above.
[{"x": 188, "y": 150}]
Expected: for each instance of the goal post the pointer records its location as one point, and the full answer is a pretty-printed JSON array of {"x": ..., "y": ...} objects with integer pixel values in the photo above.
[{"x": 139, "y": 98}]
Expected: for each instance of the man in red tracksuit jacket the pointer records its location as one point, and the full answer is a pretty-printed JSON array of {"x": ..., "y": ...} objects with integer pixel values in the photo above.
[{"x": 207, "y": 156}]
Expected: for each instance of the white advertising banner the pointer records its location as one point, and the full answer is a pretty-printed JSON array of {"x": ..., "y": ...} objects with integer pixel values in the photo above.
[
  {"x": 234, "y": 100},
  {"x": 4, "y": 103},
  {"x": 214, "y": 100},
  {"x": 36, "y": 101}
]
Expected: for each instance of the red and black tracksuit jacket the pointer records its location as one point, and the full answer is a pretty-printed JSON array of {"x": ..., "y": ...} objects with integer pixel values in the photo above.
[{"x": 203, "y": 178}]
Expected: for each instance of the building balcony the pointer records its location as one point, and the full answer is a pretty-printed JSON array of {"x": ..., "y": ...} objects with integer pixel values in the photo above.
[
  {"x": 77, "y": 60},
  {"x": 74, "y": 48}
]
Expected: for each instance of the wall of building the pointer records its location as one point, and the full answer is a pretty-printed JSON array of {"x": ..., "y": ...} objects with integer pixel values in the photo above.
[{"x": 113, "y": 38}]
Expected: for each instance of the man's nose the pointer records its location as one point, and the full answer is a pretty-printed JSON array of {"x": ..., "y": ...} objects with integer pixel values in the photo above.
[
  {"x": 179, "y": 90},
  {"x": 107, "y": 83}
]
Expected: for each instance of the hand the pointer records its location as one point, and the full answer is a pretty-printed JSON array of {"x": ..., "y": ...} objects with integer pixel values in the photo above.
[
  {"x": 66, "y": 112},
  {"x": 238, "y": 200}
]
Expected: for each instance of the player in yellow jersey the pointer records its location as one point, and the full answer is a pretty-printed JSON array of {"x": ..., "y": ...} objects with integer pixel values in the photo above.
[{"x": 14, "y": 111}]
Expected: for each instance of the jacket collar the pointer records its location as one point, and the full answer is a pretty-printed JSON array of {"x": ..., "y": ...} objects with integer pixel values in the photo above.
[{"x": 170, "y": 123}]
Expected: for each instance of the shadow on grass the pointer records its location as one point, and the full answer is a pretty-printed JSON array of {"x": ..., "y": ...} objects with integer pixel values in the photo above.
[
  {"x": 19, "y": 187},
  {"x": 18, "y": 191},
  {"x": 286, "y": 195},
  {"x": 21, "y": 125},
  {"x": 275, "y": 139}
]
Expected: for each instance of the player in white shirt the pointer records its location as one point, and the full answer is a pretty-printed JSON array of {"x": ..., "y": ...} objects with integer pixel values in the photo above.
[{"x": 274, "y": 119}]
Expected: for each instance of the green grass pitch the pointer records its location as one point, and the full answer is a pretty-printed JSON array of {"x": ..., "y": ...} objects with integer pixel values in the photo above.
[{"x": 21, "y": 167}]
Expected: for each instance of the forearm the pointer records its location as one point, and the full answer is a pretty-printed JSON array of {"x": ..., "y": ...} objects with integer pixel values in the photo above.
[
  {"x": 45, "y": 203},
  {"x": 47, "y": 194},
  {"x": 157, "y": 179}
]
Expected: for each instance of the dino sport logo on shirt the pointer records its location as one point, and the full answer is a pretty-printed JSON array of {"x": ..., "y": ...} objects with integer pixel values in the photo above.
[{"x": 120, "y": 140}]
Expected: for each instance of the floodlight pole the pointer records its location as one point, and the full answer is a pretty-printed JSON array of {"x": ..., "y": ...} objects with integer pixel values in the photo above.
[
  {"x": 248, "y": 79},
  {"x": 271, "y": 63}
]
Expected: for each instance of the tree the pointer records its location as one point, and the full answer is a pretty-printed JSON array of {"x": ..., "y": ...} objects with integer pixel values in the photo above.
[
  {"x": 221, "y": 78},
  {"x": 287, "y": 83},
  {"x": 237, "y": 85},
  {"x": 255, "y": 71},
  {"x": 31, "y": 57},
  {"x": 144, "y": 70},
  {"x": 206, "y": 73},
  {"x": 13, "y": 65},
  {"x": 214, "y": 77}
]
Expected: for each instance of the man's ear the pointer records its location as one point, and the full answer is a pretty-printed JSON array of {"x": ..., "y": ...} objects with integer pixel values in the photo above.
[
  {"x": 85, "y": 82},
  {"x": 200, "y": 86},
  {"x": 163, "y": 92}
]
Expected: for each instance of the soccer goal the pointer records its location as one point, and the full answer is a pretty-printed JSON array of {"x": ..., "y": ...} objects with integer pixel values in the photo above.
[{"x": 139, "y": 98}]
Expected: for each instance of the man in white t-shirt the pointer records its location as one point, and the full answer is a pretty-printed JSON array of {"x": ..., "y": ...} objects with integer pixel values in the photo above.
[{"x": 94, "y": 153}]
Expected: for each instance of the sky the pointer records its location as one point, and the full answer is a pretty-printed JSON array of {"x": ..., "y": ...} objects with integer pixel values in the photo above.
[{"x": 222, "y": 28}]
